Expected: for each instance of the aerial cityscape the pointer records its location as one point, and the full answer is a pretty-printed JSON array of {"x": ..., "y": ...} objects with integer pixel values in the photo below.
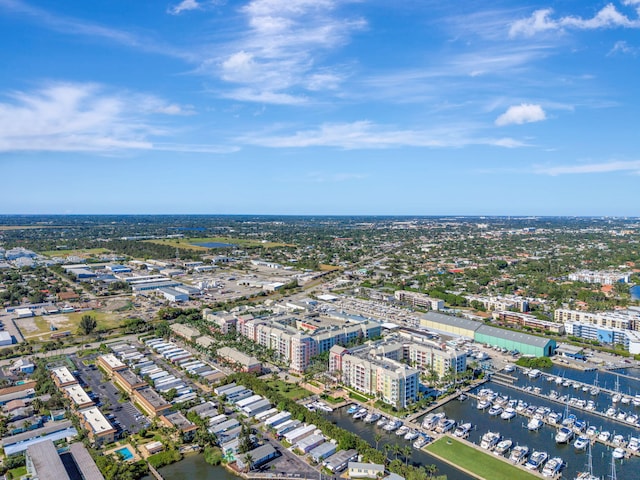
[{"x": 319, "y": 239}]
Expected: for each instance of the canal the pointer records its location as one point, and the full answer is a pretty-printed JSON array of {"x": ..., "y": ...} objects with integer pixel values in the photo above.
[{"x": 193, "y": 467}]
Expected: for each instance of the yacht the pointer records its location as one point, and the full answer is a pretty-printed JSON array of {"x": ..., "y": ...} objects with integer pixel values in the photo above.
[
  {"x": 559, "y": 380},
  {"x": 430, "y": 421},
  {"x": 508, "y": 414},
  {"x": 636, "y": 401},
  {"x": 553, "y": 467},
  {"x": 619, "y": 441},
  {"x": 463, "y": 430},
  {"x": 550, "y": 378},
  {"x": 535, "y": 373},
  {"x": 616, "y": 398},
  {"x": 411, "y": 435},
  {"x": 489, "y": 440},
  {"x": 402, "y": 431},
  {"x": 495, "y": 411},
  {"x": 324, "y": 407},
  {"x": 353, "y": 409},
  {"x": 534, "y": 424},
  {"x": 581, "y": 443},
  {"x": 392, "y": 425},
  {"x": 509, "y": 368},
  {"x": 591, "y": 405},
  {"x": 536, "y": 460},
  {"x": 382, "y": 422},
  {"x": 576, "y": 385},
  {"x": 360, "y": 413},
  {"x": 621, "y": 415},
  {"x": 618, "y": 453},
  {"x": 564, "y": 435},
  {"x": 634, "y": 444},
  {"x": 566, "y": 383},
  {"x": 611, "y": 412},
  {"x": 625, "y": 400},
  {"x": 632, "y": 418},
  {"x": 519, "y": 454},
  {"x": 594, "y": 391},
  {"x": 372, "y": 417},
  {"x": 604, "y": 436},
  {"x": 445, "y": 425},
  {"x": 521, "y": 406},
  {"x": 591, "y": 432},
  {"x": 462, "y": 397},
  {"x": 579, "y": 426},
  {"x": 569, "y": 420},
  {"x": 483, "y": 404},
  {"x": 503, "y": 447},
  {"x": 421, "y": 441},
  {"x": 554, "y": 418}
]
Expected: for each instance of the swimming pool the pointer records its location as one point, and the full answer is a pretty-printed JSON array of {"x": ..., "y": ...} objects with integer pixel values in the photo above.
[{"x": 125, "y": 453}]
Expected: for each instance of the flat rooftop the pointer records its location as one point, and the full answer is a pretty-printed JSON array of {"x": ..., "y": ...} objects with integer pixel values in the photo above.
[{"x": 96, "y": 420}]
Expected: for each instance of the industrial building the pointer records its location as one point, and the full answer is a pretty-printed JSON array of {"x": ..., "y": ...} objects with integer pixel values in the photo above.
[
  {"x": 513, "y": 340},
  {"x": 449, "y": 324}
]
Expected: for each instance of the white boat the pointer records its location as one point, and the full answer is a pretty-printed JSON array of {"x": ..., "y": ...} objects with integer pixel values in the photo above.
[
  {"x": 508, "y": 414},
  {"x": 564, "y": 435},
  {"x": 611, "y": 412},
  {"x": 581, "y": 443},
  {"x": 509, "y": 368},
  {"x": 588, "y": 473},
  {"x": 503, "y": 447},
  {"x": 632, "y": 418},
  {"x": 324, "y": 407},
  {"x": 360, "y": 413},
  {"x": 536, "y": 460},
  {"x": 559, "y": 380},
  {"x": 554, "y": 417},
  {"x": 636, "y": 401},
  {"x": 430, "y": 421},
  {"x": 483, "y": 404},
  {"x": 445, "y": 425},
  {"x": 489, "y": 440},
  {"x": 534, "y": 424},
  {"x": 618, "y": 453},
  {"x": 534, "y": 373},
  {"x": 521, "y": 406},
  {"x": 495, "y": 411},
  {"x": 616, "y": 398},
  {"x": 576, "y": 385},
  {"x": 463, "y": 430},
  {"x": 619, "y": 440},
  {"x": 382, "y": 422},
  {"x": 626, "y": 400},
  {"x": 594, "y": 391},
  {"x": 592, "y": 431},
  {"x": 519, "y": 454},
  {"x": 402, "y": 431},
  {"x": 604, "y": 436},
  {"x": 552, "y": 467},
  {"x": 421, "y": 442},
  {"x": 411, "y": 435},
  {"x": 392, "y": 425},
  {"x": 372, "y": 417},
  {"x": 634, "y": 444}
]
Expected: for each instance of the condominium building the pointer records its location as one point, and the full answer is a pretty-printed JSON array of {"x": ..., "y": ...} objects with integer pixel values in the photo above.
[
  {"x": 99, "y": 429},
  {"x": 608, "y": 335},
  {"x": 419, "y": 300},
  {"x": 501, "y": 302},
  {"x": 602, "y": 277},
  {"x": 624, "y": 320},
  {"x": 394, "y": 382},
  {"x": 222, "y": 321},
  {"x": 527, "y": 320},
  {"x": 62, "y": 377}
]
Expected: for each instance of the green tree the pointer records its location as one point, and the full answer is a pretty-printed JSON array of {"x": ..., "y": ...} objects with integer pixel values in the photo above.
[{"x": 88, "y": 324}]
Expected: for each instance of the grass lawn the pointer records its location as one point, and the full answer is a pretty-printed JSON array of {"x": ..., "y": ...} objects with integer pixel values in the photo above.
[
  {"x": 18, "y": 472},
  {"x": 187, "y": 243},
  {"x": 483, "y": 464},
  {"x": 357, "y": 396},
  {"x": 289, "y": 390},
  {"x": 40, "y": 327}
]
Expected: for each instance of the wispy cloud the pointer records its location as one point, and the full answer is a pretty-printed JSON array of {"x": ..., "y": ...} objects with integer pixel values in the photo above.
[
  {"x": 622, "y": 47},
  {"x": 543, "y": 21},
  {"x": 367, "y": 135},
  {"x": 632, "y": 166},
  {"x": 67, "y": 117},
  {"x": 519, "y": 114},
  {"x": 184, "y": 6},
  {"x": 76, "y": 26},
  {"x": 278, "y": 57}
]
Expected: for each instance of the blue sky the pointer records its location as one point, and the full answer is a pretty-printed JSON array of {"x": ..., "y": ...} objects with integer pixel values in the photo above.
[{"x": 320, "y": 107}]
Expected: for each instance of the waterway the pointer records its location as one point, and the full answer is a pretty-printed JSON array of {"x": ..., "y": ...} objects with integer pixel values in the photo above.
[
  {"x": 193, "y": 467},
  {"x": 635, "y": 292},
  {"x": 214, "y": 245}
]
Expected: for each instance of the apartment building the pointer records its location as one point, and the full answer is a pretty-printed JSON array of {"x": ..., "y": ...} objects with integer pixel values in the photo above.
[
  {"x": 527, "y": 320},
  {"x": 150, "y": 401},
  {"x": 602, "y": 277},
  {"x": 100, "y": 431},
  {"x": 62, "y": 377},
  {"x": 394, "y": 382},
  {"x": 110, "y": 363},
  {"x": 624, "y": 320},
  {"x": 500, "y": 303},
  {"x": 419, "y": 300}
]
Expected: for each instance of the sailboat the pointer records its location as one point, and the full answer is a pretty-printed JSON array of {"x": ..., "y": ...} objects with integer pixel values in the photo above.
[
  {"x": 588, "y": 473},
  {"x": 612, "y": 475},
  {"x": 595, "y": 390}
]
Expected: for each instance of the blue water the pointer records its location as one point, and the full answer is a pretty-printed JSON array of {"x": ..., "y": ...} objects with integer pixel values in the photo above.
[
  {"x": 635, "y": 292},
  {"x": 125, "y": 453},
  {"x": 214, "y": 245}
]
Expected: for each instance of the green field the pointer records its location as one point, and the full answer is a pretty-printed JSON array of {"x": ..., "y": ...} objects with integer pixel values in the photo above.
[
  {"x": 40, "y": 327},
  {"x": 289, "y": 390},
  {"x": 478, "y": 462},
  {"x": 186, "y": 243},
  {"x": 81, "y": 252}
]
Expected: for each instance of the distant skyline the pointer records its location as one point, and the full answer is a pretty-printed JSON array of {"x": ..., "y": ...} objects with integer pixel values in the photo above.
[{"x": 320, "y": 107}]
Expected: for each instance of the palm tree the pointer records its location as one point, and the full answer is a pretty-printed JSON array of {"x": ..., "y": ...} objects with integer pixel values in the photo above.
[
  {"x": 406, "y": 452},
  {"x": 386, "y": 447},
  {"x": 396, "y": 450},
  {"x": 377, "y": 437},
  {"x": 248, "y": 459}
]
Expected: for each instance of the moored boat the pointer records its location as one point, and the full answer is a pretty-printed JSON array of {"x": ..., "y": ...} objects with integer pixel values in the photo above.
[
  {"x": 519, "y": 454},
  {"x": 552, "y": 467},
  {"x": 536, "y": 460},
  {"x": 503, "y": 447}
]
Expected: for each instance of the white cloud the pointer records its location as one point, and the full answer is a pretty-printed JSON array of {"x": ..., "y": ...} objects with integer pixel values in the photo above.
[
  {"x": 519, "y": 114},
  {"x": 184, "y": 6},
  {"x": 68, "y": 117},
  {"x": 367, "y": 135},
  {"x": 278, "y": 56},
  {"x": 542, "y": 21},
  {"x": 623, "y": 47},
  {"x": 632, "y": 166}
]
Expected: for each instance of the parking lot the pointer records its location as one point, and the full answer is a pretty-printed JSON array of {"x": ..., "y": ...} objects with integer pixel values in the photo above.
[{"x": 123, "y": 415}]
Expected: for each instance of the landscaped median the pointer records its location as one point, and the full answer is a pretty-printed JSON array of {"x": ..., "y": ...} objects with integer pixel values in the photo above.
[{"x": 477, "y": 462}]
